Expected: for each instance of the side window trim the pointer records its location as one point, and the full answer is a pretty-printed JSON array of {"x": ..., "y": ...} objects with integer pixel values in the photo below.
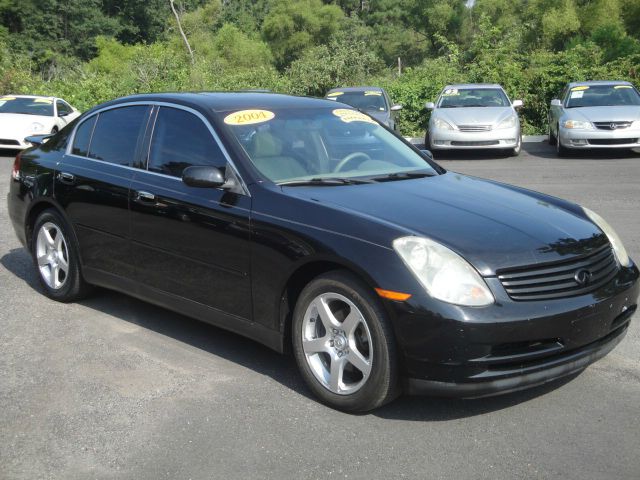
[{"x": 152, "y": 103}]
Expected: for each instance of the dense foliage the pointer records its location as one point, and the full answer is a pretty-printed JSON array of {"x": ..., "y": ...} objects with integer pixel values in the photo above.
[{"x": 89, "y": 51}]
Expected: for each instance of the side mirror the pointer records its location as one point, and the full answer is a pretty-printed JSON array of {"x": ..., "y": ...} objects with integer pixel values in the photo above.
[
  {"x": 63, "y": 114},
  {"x": 556, "y": 103},
  {"x": 517, "y": 103},
  {"x": 396, "y": 108},
  {"x": 430, "y": 105},
  {"x": 37, "y": 140},
  {"x": 203, "y": 177},
  {"x": 427, "y": 153}
]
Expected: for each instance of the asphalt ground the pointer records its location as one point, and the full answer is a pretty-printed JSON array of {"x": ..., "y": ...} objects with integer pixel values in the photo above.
[{"x": 115, "y": 388}]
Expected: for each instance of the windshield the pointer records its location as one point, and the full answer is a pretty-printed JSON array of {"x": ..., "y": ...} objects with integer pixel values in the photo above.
[
  {"x": 370, "y": 100},
  {"x": 602, "y": 96},
  {"x": 473, "y": 97},
  {"x": 27, "y": 106},
  {"x": 296, "y": 144}
]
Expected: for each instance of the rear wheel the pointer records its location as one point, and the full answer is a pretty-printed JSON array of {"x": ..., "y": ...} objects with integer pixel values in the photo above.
[
  {"x": 55, "y": 255},
  {"x": 344, "y": 345}
]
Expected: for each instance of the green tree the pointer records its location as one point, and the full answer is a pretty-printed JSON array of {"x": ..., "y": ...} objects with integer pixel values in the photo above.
[{"x": 291, "y": 27}]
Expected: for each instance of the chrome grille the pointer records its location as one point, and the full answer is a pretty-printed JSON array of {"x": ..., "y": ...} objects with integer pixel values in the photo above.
[
  {"x": 612, "y": 125},
  {"x": 560, "y": 279},
  {"x": 474, "y": 128}
]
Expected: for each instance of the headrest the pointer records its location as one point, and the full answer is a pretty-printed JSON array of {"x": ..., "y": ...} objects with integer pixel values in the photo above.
[{"x": 264, "y": 144}]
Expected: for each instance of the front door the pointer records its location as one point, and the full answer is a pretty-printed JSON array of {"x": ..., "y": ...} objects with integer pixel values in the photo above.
[{"x": 189, "y": 242}]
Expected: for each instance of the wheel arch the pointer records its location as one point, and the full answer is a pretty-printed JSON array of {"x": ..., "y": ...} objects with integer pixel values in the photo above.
[{"x": 300, "y": 276}]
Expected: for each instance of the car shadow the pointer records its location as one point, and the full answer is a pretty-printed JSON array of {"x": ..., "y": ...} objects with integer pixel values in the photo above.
[{"x": 260, "y": 359}]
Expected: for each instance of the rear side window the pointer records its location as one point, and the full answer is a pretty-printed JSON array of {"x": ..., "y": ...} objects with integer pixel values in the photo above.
[
  {"x": 117, "y": 133},
  {"x": 180, "y": 140},
  {"x": 83, "y": 137}
]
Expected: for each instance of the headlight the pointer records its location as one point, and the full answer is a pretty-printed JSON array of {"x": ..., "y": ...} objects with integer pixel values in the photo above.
[
  {"x": 618, "y": 248},
  {"x": 508, "y": 122},
  {"x": 36, "y": 127},
  {"x": 443, "y": 273},
  {"x": 441, "y": 124},
  {"x": 578, "y": 124}
]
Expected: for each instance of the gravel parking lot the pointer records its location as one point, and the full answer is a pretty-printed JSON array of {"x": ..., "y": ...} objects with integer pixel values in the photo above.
[{"x": 115, "y": 388}]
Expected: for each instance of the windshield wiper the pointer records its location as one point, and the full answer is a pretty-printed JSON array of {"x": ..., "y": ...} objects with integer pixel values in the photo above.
[
  {"x": 330, "y": 181},
  {"x": 389, "y": 177}
]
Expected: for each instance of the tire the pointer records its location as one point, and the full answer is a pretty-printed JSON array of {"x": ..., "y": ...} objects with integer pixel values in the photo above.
[
  {"x": 59, "y": 267},
  {"x": 54, "y": 130},
  {"x": 367, "y": 340},
  {"x": 561, "y": 151},
  {"x": 427, "y": 142},
  {"x": 514, "y": 152},
  {"x": 552, "y": 138}
]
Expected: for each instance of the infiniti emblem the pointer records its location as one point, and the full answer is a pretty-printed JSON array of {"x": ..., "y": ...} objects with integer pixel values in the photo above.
[{"x": 582, "y": 277}]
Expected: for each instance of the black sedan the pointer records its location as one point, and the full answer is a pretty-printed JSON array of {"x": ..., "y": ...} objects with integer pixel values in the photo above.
[{"x": 306, "y": 224}]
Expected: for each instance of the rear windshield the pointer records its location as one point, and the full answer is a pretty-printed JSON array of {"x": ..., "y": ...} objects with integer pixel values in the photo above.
[
  {"x": 26, "y": 106},
  {"x": 473, "y": 97},
  {"x": 299, "y": 144},
  {"x": 602, "y": 96},
  {"x": 369, "y": 100}
]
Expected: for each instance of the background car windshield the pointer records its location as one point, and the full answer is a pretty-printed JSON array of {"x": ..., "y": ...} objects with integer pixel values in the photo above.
[
  {"x": 602, "y": 96},
  {"x": 26, "y": 106},
  {"x": 473, "y": 97},
  {"x": 365, "y": 100},
  {"x": 301, "y": 144}
]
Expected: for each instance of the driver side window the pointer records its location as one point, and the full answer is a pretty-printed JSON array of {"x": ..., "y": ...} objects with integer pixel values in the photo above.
[{"x": 63, "y": 108}]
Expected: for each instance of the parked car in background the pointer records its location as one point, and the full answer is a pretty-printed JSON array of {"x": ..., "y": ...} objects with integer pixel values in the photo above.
[
  {"x": 595, "y": 114},
  {"x": 373, "y": 101},
  {"x": 25, "y": 115},
  {"x": 266, "y": 215},
  {"x": 474, "y": 116}
]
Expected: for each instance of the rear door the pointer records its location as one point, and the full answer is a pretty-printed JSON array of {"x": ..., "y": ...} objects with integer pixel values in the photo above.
[
  {"x": 189, "y": 242},
  {"x": 92, "y": 184}
]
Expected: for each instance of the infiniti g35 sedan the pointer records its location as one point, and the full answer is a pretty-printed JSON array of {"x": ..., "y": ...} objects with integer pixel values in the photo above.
[
  {"x": 474, "y": 116},
  {"x": 268, "y": 215},
  {"x": 25, "y": 115},
  {"x": 597, "y": 114}
]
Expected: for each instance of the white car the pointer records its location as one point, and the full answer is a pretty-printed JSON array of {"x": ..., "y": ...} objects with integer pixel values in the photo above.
[
  {"x": 25, "y": 115},
  {"x": 474, "y": 116}
]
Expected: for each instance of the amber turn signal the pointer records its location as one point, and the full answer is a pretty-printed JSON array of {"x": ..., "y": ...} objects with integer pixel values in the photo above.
[{"x": 391, "y": 295}]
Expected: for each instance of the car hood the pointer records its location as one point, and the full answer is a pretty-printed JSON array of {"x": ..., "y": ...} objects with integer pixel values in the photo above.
[
  {"x": 492, "y": 225},
  {"x": 13, "y": 122},
  {"x": 605, "y": 114},
  {"x": 474, "y": 115}
]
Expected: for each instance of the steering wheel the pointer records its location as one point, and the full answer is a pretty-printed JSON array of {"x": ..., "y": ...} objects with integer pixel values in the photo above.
[{"x": 349, "y": 158}]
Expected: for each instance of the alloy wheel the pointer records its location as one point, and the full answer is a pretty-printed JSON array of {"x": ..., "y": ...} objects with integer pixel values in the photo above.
[
  {"x": 337, "y": 343},
  {"x": 52, "y": 255}
]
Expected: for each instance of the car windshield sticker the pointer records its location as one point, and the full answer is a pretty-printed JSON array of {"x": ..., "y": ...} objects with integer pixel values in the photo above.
[
  {"x": 42, "y": 100},
  {"x": 371, "y": 92},
  {"x": 580, "y": 88},
  {"x": 577, "y": 94},
  {"x": 349, "y": 116},
  {"x": 450, "y": 92},
  {"x": 622, "y": 86},
  {"x": 249, "y": 117},
  {"x": 335, "y": 94}
]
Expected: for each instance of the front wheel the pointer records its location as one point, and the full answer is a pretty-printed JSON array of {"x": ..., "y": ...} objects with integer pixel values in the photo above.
[
  {"x": 515, "y": 151},
  {"x": 344, "y": 345},
  {"x": 56, "y": 258},
  {"x": 561, "y": 150}
]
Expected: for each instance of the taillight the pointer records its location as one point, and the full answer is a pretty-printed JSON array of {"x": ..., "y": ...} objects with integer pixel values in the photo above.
[{"x": 15, "y": 173}]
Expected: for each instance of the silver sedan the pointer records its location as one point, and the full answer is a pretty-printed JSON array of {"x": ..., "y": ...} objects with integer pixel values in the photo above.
[
  {"x": 597, "y": 114},
  {"x": 474, "y": 116}
]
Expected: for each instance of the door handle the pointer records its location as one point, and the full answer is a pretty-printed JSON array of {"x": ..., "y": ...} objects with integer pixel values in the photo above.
[
  {"x": 145, "y": 197},
  {"x": 67, "y": 178}
]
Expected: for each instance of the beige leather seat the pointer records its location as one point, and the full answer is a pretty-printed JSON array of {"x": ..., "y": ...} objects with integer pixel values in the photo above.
[{"x": 266, "y": 152}]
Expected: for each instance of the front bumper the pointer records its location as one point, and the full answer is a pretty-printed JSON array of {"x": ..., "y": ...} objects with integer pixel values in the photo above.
[
  {"x": 14, "y": 142},
  {"x": 607, "y": 139},
  {"x": 511, "y": 345},
  {"x": 457, "y": 140}
]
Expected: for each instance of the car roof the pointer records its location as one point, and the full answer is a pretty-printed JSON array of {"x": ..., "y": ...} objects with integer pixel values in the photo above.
[
  {"x": 599, "y": 82},
  {"x": 473, "y": 85},
  {"x": 356, "y": 89},
  {"x": 225, "y": 101},
  {"x": 30, "y": 96}
]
